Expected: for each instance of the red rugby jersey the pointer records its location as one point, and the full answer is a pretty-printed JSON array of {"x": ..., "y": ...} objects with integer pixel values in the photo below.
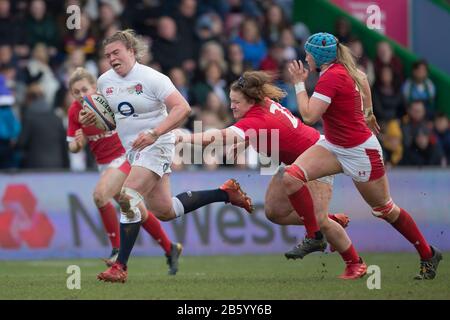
[
  {"x": 343, "y": 122},
  {"x": 294, "y": 136},
  {"x": 105, "y": 145}
]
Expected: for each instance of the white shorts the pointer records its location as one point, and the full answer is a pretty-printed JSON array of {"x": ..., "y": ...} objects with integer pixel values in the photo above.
[
  {"x": 118, "y": 163},
  {"x": 363, "y": 163},
  {"x": 156, "y": 157},
  {"x": 326, "y": 179}
]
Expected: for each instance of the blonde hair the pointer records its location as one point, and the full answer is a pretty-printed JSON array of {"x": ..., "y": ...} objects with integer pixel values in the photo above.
[
  {"x": 345, "y": 57},
  {"x": 131, "y": 41},
  {"x": 80, "y": 74},
  {"x": 256, "y": 85}
]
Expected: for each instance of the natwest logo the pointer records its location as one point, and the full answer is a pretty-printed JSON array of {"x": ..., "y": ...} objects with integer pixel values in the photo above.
[{"x": 21, "y": 222}]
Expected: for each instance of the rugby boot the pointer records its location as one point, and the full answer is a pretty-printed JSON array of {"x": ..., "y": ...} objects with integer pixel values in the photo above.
[
  {"x": 308, "y": 245},
  {"x": 428, "y": 268},
  {"x": 172, "y": 259},
  {"x": 116, "y": 273},
  {"x": 236, "y": 196},
  {"x": 354, "y": 270}
]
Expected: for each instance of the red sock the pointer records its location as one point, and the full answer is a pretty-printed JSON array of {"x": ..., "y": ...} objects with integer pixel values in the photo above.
[
  {"x": 408, "y": 228},
  {"x": 350, "y": 255},
  {"x": 303, "y": 204},
  {"x": 153, "y": 227},
  {"x": 111, "y": 223}
]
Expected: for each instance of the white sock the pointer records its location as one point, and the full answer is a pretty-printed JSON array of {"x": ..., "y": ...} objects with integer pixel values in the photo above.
[{"x": 177, "y": 207}]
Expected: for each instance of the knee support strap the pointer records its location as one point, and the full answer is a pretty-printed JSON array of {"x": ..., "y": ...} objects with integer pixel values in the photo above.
[
  {"x": 297, "y": 172},
  {"x": 133, "y": 198},
  {"x": 383, "y": 211}
]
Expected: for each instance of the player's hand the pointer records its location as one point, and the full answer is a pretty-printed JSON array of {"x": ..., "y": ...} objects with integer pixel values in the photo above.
[
  {"x": 143, "y": 140},
  {"x": 80, "y": 139},
  {"x": 297, "y": 72},
  {"x": 86, "y": 117},
  {"x": 182, "y": 136},
  {"x": 234, "y": 151},
  {"x": 373, "y": 124}
]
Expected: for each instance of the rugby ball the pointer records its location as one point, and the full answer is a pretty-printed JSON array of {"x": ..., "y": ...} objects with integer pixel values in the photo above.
[{"x": 104, "y": 116}]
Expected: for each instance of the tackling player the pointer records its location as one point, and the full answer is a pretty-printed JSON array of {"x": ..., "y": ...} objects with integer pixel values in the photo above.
[
  {"x": 114, "y": 168},
  {"x": 349, "y": 145},
  {"x": 252, "y": 102}
]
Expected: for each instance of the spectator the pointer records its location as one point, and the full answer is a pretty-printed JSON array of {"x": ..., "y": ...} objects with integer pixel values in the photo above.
[
  {"x": 362, "y": 60},
  {"x": 81, "y": 38},
  {"x": 109, "y": 13},
  {"x": 213, "y": 82},
  {"x": 442, "y": 132},
  {"x": 236, "y": 12},
  {"x": 291, "y": 48},
  {"x": 423, "y": 152},
  {"x": 253, "y": 46},
  {"x": 166, "y": 49},
  {"x": 211, "y": 51},
  {"x": 185, "y": 18},
  {"x": 387, "y": 98},
  {"x": 38, "y": 68},
  {"x": 420, "y": 87},
  {"x": 179, "y": 80},
  {"x": 9, "y": 128},
  {"x": 220, "y": 109},
  {"x": 11, "y": 30},
  {"x": 43, "y": 138},
  {"x": 41, "y": 28},
  {"x": 236, "y": 64},
  {"x": 414, "y": 120},
  {"x": 272, "y": 62},
  {"x": 275, "y": 22},
  {"x": 210, "y": 28},
  {"x": 385, "y": 57},
  {"x": 392, "y": 143},
  {"x": 343, "y": 30}
]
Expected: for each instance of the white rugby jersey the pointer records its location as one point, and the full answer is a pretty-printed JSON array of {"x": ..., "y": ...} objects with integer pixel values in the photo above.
[{"x": 137, "y": 101}]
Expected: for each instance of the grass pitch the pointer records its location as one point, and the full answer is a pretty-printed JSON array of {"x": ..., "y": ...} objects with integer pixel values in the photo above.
[{"x": 226, "y": 277}]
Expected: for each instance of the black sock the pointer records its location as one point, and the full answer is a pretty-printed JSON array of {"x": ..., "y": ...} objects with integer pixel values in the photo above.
[
  {"x": 128, "y": 235},
  {"x": 318, "y": 235},
  {"x": 192, "y": 200}
]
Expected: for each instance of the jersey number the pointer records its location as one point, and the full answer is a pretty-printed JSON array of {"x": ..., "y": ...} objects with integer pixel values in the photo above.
[
  {"x": 290, "y": 116},
  {"x": 125, "y": 109}
]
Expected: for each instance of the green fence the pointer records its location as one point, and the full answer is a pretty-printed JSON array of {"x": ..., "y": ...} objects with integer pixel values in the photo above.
[{"x": 321, "y": 16}]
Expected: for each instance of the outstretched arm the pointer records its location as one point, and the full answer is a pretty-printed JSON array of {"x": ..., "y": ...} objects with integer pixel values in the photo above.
[{"x": 221, "y": 137}]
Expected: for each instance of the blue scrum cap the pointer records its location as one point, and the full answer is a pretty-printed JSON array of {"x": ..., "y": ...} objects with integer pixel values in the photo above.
[{"x": 323, "y": 48}]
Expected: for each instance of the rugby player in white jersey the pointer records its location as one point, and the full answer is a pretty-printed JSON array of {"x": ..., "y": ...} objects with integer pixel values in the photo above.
[{"x": 147, "y": 108}]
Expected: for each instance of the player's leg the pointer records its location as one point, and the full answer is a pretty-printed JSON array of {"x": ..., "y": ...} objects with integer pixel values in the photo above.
[
  {"x": 376, "y": 194},
  {"x": 109, "y": 184},
  {"x": 314, "y": 163},
  {"x": 133, "y": 211},
  {"x": 334, "y": 232},
  {"x": 279, "y": 210}
]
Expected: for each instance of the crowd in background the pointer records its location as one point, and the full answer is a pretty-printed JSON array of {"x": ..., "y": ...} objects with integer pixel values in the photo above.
[{"x": 203, "y": 46}]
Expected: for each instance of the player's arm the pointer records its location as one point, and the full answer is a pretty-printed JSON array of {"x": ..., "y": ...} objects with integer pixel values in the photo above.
[
  {"x": 78, "y": 143},
  {"x": 224, "y": 137},
  {"x": 312, "y": 109},
  {"x": 368, "y": 106},
  {"x": 179, "y": 110}
]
